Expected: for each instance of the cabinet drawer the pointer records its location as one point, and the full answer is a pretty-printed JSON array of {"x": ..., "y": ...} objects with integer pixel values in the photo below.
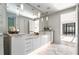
[
  {"x": 28, "y": 38},
  {"x": 27, "y": 42},
  {"x": 28, "y": 50},
  {"x": 28, "y": 45}
]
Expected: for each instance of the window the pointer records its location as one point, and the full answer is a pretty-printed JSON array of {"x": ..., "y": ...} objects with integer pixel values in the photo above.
[{"x": 69, "y": 28}]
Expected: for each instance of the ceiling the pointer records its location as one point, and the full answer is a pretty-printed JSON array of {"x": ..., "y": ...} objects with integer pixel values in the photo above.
[
  {"x": 51, "y": 7},
  {"x": 27, "y": 10},
  {"x": 43, "y": 8}
]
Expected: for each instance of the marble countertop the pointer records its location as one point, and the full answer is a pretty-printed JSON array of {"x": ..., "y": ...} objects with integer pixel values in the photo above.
[
  {"x": 1, "y": 34},
  {"x": 29, "y": 35}
]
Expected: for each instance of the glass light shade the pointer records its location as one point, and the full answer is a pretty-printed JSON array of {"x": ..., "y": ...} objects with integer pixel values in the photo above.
[
  {"x": 18, "y": 12},
  {"x": 41, "y": 19},
  {"x": 46, "y": 18},
  {"x": 38, "y": 14},
  {"x": 22, "y": 6}
]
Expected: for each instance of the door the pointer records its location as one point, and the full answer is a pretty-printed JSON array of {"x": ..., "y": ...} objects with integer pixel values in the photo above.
[
  {"x": 1, "y": 30},
  {"x": 1, "y": 45}
]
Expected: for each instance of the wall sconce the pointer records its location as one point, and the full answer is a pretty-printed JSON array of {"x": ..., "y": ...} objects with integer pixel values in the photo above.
[
  {"x": 18, "y": 11},
  {"x": 46, "y": 18},
  {"x": 22, "y": 6},
  {"x": 36, "y": 14},
  {"x": 41, "y": 19}
]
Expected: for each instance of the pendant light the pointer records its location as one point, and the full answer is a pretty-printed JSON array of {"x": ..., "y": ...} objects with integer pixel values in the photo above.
[{"x": 22, "y": 6}]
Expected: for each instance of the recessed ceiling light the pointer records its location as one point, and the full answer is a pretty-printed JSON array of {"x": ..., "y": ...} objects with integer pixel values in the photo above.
[
  {"x": 32, "y": 9},
  {"x": 46, "y": 12},
  {"x": 48, "y": 7},
  {"x": 38, "y": 6},
  {"x": 18, "y": 6}
]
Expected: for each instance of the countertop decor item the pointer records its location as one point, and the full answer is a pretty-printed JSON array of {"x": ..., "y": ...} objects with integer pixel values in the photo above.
[
  {"x": 36, "y": 33},
  {"x": 46, "y": 28},
  {"x": 13, "y": 30}
]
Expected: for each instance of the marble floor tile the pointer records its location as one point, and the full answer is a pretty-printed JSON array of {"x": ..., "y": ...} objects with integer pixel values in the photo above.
[{"x": 58, "y": 49}]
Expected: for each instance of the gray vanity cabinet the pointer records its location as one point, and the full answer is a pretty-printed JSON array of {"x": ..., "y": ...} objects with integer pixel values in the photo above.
[
  {"x": 34, "y": 43},
  {"x": 23, "y": 44},
  {"x": 44, "y": 39},
  {"x": 17, "y": 45},
  {"x": 39, "y": 42}
]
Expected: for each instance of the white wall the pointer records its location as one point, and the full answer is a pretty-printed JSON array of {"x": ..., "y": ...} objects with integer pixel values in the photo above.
[
  {"x": 55, "y": 23},
  {"x": 69, "y": 17}
]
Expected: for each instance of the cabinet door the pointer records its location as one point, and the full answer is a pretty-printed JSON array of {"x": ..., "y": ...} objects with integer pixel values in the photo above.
[
  {"x": 34, "y": 43},
  {"x": 1, "y": 45},
  {"x": 37, "y": 42},
  {"x": 17, "y": 45},
  {"x": 51, "y": 36},
  {"x": 44, "y": 39}
]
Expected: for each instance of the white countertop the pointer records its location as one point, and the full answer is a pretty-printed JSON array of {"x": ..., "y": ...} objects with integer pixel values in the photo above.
[
  {"x": 29, "y": 35},
  {"x": 1, "y": 34}
]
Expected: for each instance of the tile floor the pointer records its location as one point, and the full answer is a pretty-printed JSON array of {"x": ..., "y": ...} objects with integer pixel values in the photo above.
[{"x": 56, "y": 49}]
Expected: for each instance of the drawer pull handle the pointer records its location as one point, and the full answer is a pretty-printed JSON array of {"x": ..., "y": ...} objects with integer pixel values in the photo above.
[
  {"x": 28, "y": 42},
  {"x": 28, "y": 46},
  {"x": 28, "y": 38},
  {"x": 28, "y": 50}
]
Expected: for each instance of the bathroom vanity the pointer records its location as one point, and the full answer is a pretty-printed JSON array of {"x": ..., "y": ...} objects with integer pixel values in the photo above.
[{"x": 23, "y": 44}]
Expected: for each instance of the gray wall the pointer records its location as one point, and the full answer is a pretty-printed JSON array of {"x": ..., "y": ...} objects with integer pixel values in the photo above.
[
  {"x": 54, "y": 23},
  {"x": 3, "y": 18},
  {"x": 3, "y": 25}
]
